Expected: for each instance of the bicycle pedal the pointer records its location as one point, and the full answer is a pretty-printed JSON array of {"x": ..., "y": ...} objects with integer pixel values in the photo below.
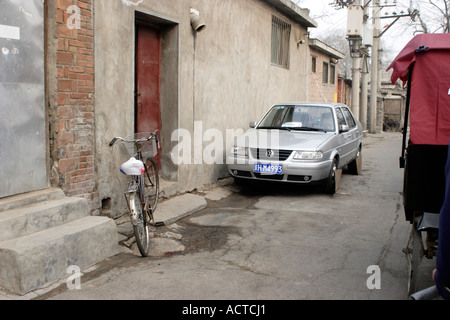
[{"x": 159, "y": 224}]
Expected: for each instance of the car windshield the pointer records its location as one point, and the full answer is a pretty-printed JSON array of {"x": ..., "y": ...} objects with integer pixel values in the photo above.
[{"x": 302, "y": 118}]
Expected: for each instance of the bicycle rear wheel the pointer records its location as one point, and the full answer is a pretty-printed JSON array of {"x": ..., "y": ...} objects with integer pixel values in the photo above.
[
  {"x": 140, "y": 224},
  {"x": 151, "y": 181}
]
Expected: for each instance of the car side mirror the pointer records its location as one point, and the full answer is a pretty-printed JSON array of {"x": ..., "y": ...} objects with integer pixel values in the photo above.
[
  {"x": 344, "y": 128},
  {"x": 252, "y": 124}
]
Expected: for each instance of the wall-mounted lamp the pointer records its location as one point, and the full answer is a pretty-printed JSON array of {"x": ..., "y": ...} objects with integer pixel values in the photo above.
[
  {"x": 300, "y": 42},
  {"x": 197, "y": 23}
]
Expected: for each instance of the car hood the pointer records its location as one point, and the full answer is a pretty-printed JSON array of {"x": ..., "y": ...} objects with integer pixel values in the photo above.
[{"x": 283, "y": 139}]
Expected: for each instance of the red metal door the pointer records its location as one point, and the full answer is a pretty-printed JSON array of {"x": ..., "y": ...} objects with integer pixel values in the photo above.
[{"x": 148, "y": 79}]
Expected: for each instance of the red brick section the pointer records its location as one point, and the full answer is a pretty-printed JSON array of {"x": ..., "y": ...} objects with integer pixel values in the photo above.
[{"x": 75, "y": 137}]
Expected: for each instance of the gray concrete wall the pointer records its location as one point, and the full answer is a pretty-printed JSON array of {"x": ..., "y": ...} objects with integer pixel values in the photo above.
[
  {"x": 114, "y": 86},
  {"x": 222, "y": 76}
]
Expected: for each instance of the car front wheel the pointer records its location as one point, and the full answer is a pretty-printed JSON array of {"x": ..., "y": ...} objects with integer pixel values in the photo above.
[{"x": 330, "y": 184}]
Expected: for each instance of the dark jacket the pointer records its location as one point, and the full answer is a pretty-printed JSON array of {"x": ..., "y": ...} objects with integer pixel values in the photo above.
[{"x": 442, "y": 277}]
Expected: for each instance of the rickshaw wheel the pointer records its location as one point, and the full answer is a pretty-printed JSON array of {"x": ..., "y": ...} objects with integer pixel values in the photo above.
[{"x": 414, "y": 254}]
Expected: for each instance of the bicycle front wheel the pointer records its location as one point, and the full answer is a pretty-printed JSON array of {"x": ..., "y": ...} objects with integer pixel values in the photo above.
[
  {"x": 151, "y": 181},
  {"x": 141, "y": 221},
  {"x": 415, "y": 251}
]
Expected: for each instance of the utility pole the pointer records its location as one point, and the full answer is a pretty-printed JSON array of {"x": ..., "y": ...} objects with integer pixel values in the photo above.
[
  {"x": 375, "y": 82},
  {"x": 364, "y": 90},
  {"x": 354, "y": 36},
  {"x": 356, "y": 79},
  {"x": 365, "y": 67},
  {"x": 357, "y": 33},
  {"x": 374, "y": 69}
]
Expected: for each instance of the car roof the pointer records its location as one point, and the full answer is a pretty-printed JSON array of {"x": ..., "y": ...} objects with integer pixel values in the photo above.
[{"x": 318, "y": 104}]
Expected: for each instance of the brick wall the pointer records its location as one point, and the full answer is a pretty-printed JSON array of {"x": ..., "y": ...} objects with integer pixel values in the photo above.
[
  {"x": 72, "y": 130},
  {"x": 319, "y": 91}
]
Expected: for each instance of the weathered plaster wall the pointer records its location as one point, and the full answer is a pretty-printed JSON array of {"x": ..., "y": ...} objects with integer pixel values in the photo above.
[
  {"x": 114, "y": 56},
  {"x": 235, "y": 82}
]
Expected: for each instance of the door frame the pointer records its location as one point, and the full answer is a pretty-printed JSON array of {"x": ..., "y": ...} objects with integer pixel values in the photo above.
[
  {"x": 136, "y": 75},
  {"x": 169, "y": 86},
  {"x": 148, "y": 110}
]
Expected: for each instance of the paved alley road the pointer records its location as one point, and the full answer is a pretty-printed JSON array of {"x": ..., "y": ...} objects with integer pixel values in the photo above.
[{"x": 278, "y": 242}]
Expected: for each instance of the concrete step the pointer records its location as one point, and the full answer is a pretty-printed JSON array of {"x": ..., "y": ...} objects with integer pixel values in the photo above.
[
  {"x": 35, "y": 217},
  {"x": 177, "y": 208},
  {"x": 32, "y": 261},
  {"x": 22, "y": 200}
]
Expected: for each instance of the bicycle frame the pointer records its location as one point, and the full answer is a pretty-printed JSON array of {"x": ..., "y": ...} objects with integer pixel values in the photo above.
[
  {"x": 133, "y": 187},
  {"x": 136, "y": 183},
  {"x": 142, "y": 191}
]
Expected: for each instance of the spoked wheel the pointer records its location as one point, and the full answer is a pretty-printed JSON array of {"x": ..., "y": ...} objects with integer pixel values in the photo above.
[
  {"x": 414, "y": 252},
  {"x": 141, "y": 222},
  {"x": 151, "y": 181}
]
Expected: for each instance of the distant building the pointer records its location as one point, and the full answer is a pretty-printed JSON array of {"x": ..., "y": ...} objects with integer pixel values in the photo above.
[
  {"x": 394, "y": 103},
  {"x": 344, "y": 90},
  {"x": 323, "y": 78}
]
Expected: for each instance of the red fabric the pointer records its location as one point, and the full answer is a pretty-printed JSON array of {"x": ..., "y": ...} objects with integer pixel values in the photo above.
[
  {"x": 407, "y": 57},
  {"x": 430, "y": 87}
]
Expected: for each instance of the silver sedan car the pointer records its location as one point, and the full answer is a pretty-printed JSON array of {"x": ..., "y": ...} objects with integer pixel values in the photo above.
[{"x": 299, "y": 143}]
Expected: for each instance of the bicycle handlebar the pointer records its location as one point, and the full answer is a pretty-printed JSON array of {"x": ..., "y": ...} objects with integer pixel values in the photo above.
[
  {"x": 153, "y": 135},
  {"x": 112, "y": 142}
]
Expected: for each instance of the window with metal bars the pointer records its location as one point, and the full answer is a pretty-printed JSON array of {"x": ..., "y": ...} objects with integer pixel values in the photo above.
[
  {"x": 314, "y": 65},
  {"x": 332, "y": 74},
  {"x": 325, "y": 74},
  {"x": 281, "y": 33}
]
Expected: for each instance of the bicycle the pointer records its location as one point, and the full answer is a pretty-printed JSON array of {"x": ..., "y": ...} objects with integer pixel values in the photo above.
[{"x": 142, "y": 192}]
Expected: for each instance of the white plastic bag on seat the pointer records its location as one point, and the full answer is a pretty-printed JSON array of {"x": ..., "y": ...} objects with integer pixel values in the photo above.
[{"x": 133, "y": 167}]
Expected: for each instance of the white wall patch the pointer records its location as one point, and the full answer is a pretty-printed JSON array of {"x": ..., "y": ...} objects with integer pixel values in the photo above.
[{"x": 9, "y": 32}]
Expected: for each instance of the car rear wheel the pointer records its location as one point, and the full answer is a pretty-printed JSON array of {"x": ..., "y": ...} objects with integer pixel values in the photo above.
[{"x": 355, "y": 166}]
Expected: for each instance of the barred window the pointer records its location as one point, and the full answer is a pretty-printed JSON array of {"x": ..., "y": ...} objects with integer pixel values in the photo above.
[
  {"x": 332, "y": 74},
  {"x": 281, "y": 33},
  {"x": 325, "y": 73}
]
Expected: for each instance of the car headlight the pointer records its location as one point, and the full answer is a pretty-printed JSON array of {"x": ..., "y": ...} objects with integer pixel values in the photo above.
[
  {"x": 308, "y": 155},
  {"x": 240, "y": 151}
]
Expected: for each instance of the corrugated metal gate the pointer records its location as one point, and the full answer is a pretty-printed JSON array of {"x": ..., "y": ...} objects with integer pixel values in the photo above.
[{"x": 23, "y": 164}]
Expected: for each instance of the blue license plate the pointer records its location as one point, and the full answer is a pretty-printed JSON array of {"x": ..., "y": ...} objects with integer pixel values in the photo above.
[{"x": 268, "y": 168}]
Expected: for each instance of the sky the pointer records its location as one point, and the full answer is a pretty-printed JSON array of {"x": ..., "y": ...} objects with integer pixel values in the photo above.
[{"x": 331, "y": 20}]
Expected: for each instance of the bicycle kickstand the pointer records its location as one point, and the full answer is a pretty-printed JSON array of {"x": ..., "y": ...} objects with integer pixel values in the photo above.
[{"x": 156, "y": 224}]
